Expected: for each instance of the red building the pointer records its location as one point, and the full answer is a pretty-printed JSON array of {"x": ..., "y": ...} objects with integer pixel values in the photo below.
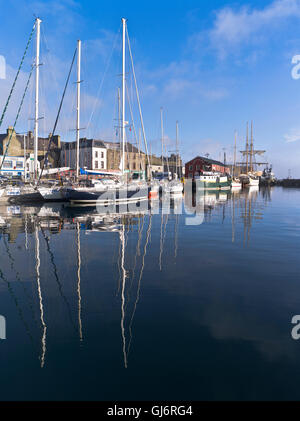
[{"x": 199, "y": 164}]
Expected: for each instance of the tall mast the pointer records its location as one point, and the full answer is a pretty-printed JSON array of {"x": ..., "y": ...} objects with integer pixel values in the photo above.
[
  {"x": 251, "y": 150},
  {"x": 247, "y": 150},
  {"x": 123, "y": 98},
  {"x": 37, "y": 75},
  {"x": 119, "y": 115},
  {"x": 234, "y": 163},
  {"x": 162, "y": 137},
  {"x": 78, "y": 107}
]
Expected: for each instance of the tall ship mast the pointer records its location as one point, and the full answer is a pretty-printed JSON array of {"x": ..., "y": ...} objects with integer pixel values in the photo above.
[{"x": 251, "y": 175}]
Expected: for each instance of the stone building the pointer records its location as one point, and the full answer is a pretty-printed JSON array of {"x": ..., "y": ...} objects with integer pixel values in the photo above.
[
  {"x": 135, "y": 161},
  {"x": 18, "y": 141}
]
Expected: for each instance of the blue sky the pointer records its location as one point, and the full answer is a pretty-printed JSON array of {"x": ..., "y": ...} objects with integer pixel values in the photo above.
[{"x": 211, "y": 65}]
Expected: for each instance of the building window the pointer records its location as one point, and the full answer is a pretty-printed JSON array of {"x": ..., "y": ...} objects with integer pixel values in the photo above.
[
  {"x": 96, "y": 164},
  {"x": 134, "y": 166},
  {"x": 102, "y": 164},
  {"x": 96, "y": 154},
  {"x": 191, "y": 167},
  {"x": 19, "y": 164},
  {"x": 102, "y": 154},
  {"x": 198, "y": 167},
  {"x": 7, "y": 164}
]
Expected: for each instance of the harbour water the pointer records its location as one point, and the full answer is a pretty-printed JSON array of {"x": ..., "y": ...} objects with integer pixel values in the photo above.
[{"x": 147, "y": 307}]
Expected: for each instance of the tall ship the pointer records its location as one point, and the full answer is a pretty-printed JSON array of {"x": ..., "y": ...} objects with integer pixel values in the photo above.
[{"x": 250, "y": 175}]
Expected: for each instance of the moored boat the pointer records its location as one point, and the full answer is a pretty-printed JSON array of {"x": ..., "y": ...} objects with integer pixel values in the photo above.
[
  {"x": 212, "y": 181},
  {"x": 236, "y": 184}
]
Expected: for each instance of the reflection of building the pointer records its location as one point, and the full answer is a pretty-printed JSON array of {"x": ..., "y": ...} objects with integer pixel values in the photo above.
[
  {"x": 199, "y": 164},
  {"x": 92, "y": 154},
  {"x": 24, "y": 143}
]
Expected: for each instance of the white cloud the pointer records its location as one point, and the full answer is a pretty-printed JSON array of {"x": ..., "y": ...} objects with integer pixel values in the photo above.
[
  {"x": 293, "y": 136},
  {"x": 233, "y": 28}
]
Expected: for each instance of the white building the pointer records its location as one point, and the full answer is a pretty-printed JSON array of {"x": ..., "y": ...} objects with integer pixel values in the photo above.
[
  {"x": 13, "y": 166},
  {"x": 92, "y": 154}
]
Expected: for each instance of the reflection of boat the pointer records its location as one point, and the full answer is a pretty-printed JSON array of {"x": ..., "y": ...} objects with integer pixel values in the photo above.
[{"x": 209, "y": 200}]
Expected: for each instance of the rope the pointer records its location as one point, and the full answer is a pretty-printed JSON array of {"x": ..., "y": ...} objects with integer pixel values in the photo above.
[
  {"x": 16, "y": 77},
  {"x": 102, "y": 81},
  {"x": 138, "y": 100},
  {"x": 17, "y": 117},
  {"x": 57, "y": 117}
]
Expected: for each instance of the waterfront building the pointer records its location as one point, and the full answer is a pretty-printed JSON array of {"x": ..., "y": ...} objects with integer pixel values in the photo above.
[
  {"x": 92, "y": 154},
  {"x": 135, "y": 159},
  {"x": 18, "y": 166},
  {"x": 23, "y": 145},
  {"x": 199, "y": 164}
]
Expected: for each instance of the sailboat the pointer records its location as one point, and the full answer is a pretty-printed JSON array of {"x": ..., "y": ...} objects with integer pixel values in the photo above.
[
  {"x": 235, "y": 184},
  {"x": 10, "y": 193},
  {"x": 176, "y": 186},
  {"x": 173, "y": 187},
  {"x": 125, "y": 192},
  {"x": 250, "y": 178}
]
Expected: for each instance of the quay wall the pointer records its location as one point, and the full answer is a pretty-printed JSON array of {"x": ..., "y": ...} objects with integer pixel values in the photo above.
[{"x": 289, "y": 183}]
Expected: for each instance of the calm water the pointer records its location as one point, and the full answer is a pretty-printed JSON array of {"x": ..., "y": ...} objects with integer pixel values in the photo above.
[{"x": 148, "y": 307}]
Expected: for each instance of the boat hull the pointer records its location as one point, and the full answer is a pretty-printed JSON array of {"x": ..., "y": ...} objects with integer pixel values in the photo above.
[
  {"x": 51, "y": 194},
  {"x": 213, "y": 185},
  {"x": 116, "y": 196}
]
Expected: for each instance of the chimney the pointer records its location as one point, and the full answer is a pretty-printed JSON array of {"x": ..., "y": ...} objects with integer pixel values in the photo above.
[{"x": 10, "y": 130}]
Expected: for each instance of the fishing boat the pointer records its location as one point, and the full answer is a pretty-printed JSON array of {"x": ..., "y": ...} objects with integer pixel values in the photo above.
[
  {"x": 268, "y": 177},
  {"x": 212, "y": 181}
]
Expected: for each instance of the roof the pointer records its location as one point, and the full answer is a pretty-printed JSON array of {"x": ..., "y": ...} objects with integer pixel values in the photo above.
[
  {"x": 129, "y": 147},
  {"x": 85, "y": 143},
  {"x": 207, "y": 161},
  {"x": 43, "y": 142}
]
